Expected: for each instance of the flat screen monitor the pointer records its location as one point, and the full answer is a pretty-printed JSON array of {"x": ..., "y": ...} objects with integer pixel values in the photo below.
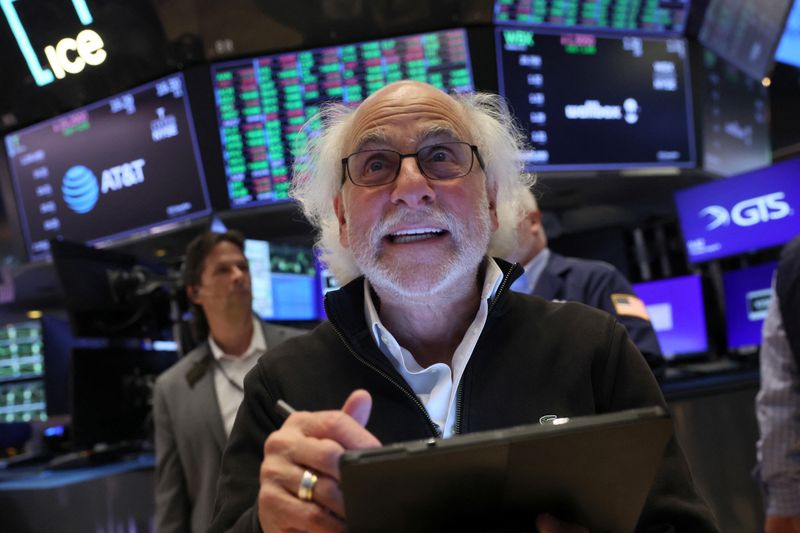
[
  {"x": 284, "y": 280},
  {"x": 263, "y": 102},
  {"x": 22, "y": 388},
  {"x": 745, "y": 32},
  {"x": 747, "y": 295},
  {"x": 124, "y": 166},
  {"x": 112, "y": 393},
  {"x": 677, "y": 312},
  {"x": 744, "y": 213},
  {"x": 663, "y": 17},
  {"x": 735, "y": 118},
  {"x": 21, "y": 351},
  {"x": 789, "y": 46},
  {"x": 589, "y": 102}
]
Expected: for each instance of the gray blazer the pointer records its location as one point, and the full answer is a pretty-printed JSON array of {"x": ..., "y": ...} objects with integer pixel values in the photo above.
[{"x": 190, "y": 438}]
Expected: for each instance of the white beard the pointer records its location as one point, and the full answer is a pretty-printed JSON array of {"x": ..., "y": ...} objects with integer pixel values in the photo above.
[{"x": 424, "y": 276}]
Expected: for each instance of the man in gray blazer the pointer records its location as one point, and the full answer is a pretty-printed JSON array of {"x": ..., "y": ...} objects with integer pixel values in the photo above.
[{"x": 196, "y": 400}]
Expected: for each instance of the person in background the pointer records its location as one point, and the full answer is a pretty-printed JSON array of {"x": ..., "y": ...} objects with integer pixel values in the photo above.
[
  {"x": 196, "y": 400},
  {"x": 425, "y": 340},
  {"x": 554, "y": 277},
  {"x": 778, "y": 400}
]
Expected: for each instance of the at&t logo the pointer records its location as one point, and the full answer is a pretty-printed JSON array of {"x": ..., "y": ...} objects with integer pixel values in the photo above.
[
  {"x": 748, "y": 212},
  {"x": 80, "y": 189}
]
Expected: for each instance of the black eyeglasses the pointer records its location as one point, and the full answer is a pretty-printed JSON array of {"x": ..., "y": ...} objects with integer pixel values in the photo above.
[{"x": 443, "y": 161}]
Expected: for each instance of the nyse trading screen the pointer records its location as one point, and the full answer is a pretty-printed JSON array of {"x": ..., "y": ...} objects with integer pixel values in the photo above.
[
  {"x": 262, "y": 103},
  {"x": 735, "y": 110},
  {"x": 745, "y": 32},
  {"x": 22, "y": 397},
  {"x": 629, "y": 16},
  {"x": 122, "y": 166},
  {"x": 598, "y": 103}
]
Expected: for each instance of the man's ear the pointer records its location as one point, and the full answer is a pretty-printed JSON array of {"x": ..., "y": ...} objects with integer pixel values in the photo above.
[
  {"x": 192, "y": 293},
  {"x": 338, "y": 206}
]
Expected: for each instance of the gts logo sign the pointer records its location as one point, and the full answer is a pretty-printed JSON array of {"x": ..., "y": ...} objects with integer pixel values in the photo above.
[{"x": 748, "y": 212}]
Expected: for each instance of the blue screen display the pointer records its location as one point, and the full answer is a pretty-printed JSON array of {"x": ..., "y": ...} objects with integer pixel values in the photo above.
[
  {"x": 789, "y": 46},
  {"x": 747, "y": 295},
  {"x": 284, "y": 280},
  {"x": 744, "y": 213},
  {"x": 677, "y": 313}
]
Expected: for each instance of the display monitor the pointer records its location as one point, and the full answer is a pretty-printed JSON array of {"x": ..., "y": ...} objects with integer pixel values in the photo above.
[
  {"x": 651, "y": 16},
  {"x": 677, "y": 312},
  {"x": 789, "y": 46},
  {"x": 128, "y": 165},
  {"x": 284, "y": 280},
  {"x": 588, "y": 102},
  {"x": 745, "y": 32},
  {"x": 22, "y": 390},
  {"x": 263, "y": 102},
  {"x": 747, "y": 295},
  {"x": 21, "y": 351},
  {"x": 735, "y": 127},
  {"x": 744, "y": 213}
]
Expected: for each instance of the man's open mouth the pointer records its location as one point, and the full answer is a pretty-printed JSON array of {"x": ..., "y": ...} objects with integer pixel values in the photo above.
[{"x": 413, "y": 235}]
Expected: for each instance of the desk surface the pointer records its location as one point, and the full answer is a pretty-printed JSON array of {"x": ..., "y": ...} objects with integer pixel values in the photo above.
[{"x": 38, "y": 477}]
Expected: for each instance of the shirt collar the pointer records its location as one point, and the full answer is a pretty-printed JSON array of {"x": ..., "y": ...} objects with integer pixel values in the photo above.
[
  {"x": 533, "y": 271},
  {"x": 258, "y": 344}
]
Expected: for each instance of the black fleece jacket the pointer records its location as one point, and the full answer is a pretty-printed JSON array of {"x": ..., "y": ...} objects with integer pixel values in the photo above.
[{"x": 533, "y": 358}]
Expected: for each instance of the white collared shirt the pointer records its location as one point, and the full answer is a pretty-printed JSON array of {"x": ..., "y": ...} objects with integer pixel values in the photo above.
[
  {"x": 533, "y": 271},
  {"x": 434, "y": 385},
  {"x": 233, "y": 368}
]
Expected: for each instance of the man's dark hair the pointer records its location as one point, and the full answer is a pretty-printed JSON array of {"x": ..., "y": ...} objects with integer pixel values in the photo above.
[{"x": 193, "y": 265}]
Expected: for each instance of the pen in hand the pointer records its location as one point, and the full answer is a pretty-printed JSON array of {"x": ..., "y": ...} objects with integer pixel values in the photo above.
[{"x": 284, "y": 409}]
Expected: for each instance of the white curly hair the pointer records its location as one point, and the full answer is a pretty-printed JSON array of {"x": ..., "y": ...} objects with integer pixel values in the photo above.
[{"x": 318, "y": 173}]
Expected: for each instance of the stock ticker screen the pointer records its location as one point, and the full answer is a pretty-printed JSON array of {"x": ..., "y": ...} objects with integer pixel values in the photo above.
[
  {"x": 262, "y": 103},
  {"x": 133, "y": 154},
  {"x": 629, "y": 16},
  {"x": 22, "y": 391},
  {"x": 598, "y": 103}
]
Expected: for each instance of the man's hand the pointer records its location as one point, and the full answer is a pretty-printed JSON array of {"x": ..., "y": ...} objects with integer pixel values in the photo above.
[
  {"x": 782, "y": 524},
  {"x": 546, "y": 523},
  {"x": 314, "y": 442}
]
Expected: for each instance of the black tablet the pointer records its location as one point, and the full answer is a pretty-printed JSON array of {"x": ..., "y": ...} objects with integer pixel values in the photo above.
[{"x": 595, "y": 471}]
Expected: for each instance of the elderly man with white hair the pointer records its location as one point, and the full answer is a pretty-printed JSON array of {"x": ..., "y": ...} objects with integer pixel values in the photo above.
[{"x": 425, "y": 339}]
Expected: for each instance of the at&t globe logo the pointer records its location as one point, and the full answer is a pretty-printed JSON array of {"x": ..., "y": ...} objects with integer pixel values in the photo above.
[{"x": 80, "y": 189}]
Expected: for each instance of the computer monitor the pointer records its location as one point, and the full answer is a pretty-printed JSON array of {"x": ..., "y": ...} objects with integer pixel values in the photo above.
[
  {"x": 591, "y": 102},
  {"x": 284, "y": 280},
  {"x": 747, "y": 295},
  {"x": 660, "y": 17},
  {"x": 22, "y": 397},
  {"x": 133, "y": 154},
  {"x": 677, "y": 312},
  {"x": 745, "y": 32},
  {"x": 789, "y": 46},
  {"x": 263, "y": 102},
  {"x": 744, "y": 213},
  {"x": 735, "y": 126},
  {"x": 112, "y": 391}
]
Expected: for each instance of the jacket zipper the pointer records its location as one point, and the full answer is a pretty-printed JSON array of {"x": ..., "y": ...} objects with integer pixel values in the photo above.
[
  {"x": 460, "y": 390},
  {"x": 433, "y": 427}
]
